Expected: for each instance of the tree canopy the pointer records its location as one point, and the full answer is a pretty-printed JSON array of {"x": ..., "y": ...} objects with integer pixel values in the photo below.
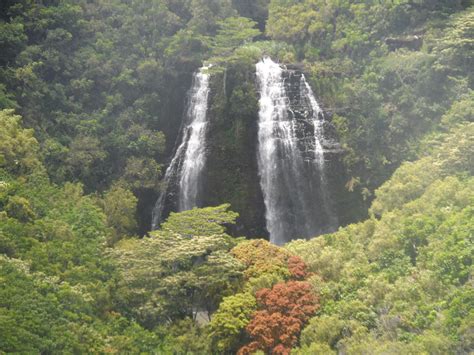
[{"x": 92, "y": 95}]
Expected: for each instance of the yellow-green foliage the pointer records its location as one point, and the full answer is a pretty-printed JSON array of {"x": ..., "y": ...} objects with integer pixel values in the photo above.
[
  {"x": 97, "y": 81},
  {"x": 200, "y": 221},
  {"x": 401, "y": 282},
  {"x": 18, "y": 148},
  {"x": 263, "y": 261},
  {"x": 119, "y": 205},
  {"x": 454, "y": 153},
  {"x": 182, "y": 269},
  {"x": 228, "y": 323}
]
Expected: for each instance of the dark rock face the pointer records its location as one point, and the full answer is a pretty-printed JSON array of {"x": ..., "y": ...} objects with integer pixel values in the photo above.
[{"x": 231, "y": 174}]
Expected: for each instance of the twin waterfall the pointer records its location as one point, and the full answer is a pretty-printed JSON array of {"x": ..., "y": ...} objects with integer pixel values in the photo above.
[{"x": 290, "y": 155}]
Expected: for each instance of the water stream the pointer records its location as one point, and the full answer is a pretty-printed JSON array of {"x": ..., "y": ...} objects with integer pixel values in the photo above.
[
  {"x": 290, "y": 156},
  {"x": 182, "y": 181}
]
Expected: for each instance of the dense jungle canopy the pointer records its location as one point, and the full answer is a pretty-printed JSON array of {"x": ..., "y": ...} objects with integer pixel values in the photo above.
[{"x": 92, "y": 99}]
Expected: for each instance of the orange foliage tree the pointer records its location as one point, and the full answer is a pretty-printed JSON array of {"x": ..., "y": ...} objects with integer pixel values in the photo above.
[
  {"x": 283, "y": 311},
  {"x": 297, "y": 268}
]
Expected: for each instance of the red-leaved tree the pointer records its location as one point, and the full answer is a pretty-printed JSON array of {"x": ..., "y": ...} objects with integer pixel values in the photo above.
[
  {"x": 283, "y": 311},
  {"x": 297, "y": 268}
]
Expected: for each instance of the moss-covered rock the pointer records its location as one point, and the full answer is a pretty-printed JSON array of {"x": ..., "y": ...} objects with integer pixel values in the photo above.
[{"x": 231, "y": 173}]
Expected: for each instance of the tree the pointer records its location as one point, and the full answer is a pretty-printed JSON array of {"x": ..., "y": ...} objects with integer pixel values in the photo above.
[
  {"x": 12, "y": 40},
  {"x": 41, "y": 314},
  {"x": 19, "y": 208},
  {"x": 84, "y": 158},
  {"x": 232, "y": 33},
  {"x": 19, "y": 148},
  {"x": 323, "y": 330},
  {"x": 120, "y": 206},
  {"x": 291, "y": 21},
  {"x": 143, "y": 142},
  {"x": 206, "y": 221},
  {"x": 170, "y": 277},
  {"x": 261, "y": 257},
  {"x": 228, "y": 323},
  {"x": 141, "y": 173},
  {"x": 256, "y": 10},
  {"x": 283, "y": 311},
  {"x": 457, "y": 45},
  {"x": 179, "y": 271},
  {"x": 265, "y": 266},
  {"x": 297, "y": 268}
]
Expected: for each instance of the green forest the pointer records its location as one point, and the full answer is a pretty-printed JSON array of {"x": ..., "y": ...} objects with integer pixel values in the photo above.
[{"x": 92, "y": 96}]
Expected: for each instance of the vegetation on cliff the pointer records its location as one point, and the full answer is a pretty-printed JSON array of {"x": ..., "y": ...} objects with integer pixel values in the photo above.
[{"x": 91, "y": 96}]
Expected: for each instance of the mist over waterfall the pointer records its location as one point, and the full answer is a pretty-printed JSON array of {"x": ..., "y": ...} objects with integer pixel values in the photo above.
[
  {"x": 182, "y": 179},
  {"x": 291, "y": 156}
]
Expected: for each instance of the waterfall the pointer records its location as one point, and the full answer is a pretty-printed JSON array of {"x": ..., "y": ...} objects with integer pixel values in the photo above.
[
  {"x": 319, "y": 141},
  {"x": 194, "y": 156},
  {"x": 290, "y": 156},
  {"x": 182, "y": 178}
]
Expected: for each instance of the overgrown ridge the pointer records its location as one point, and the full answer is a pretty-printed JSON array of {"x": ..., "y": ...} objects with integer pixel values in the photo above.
[{"x": 92, "y": 98}]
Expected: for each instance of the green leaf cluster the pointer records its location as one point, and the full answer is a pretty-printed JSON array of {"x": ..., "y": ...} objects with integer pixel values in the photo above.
[{"x": 394, "y": 282}]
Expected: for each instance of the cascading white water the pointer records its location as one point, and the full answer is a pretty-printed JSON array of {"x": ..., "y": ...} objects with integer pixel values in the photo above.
[
  {"x": 194, "y": 156},
  {"x": 290, "y": 160},
  {"x": 318, "y": 122},
  {"x": 185, "y": 169}
]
